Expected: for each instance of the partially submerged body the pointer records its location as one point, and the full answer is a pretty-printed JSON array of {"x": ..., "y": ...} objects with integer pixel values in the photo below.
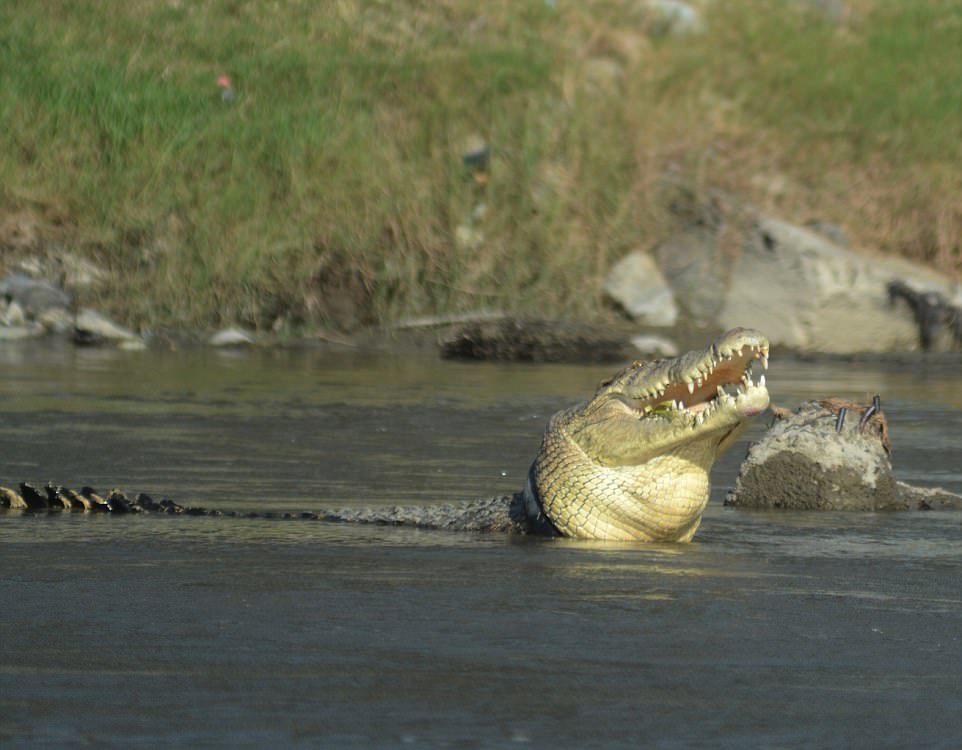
[{"x": 631, "y": 463}]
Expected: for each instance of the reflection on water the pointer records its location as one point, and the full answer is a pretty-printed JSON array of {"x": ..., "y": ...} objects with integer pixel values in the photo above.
[{"x": 771, "y": 629}]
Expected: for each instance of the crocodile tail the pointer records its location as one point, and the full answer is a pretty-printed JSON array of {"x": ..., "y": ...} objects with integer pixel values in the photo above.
[
  {"x": 505, "y": 514},
  {"x": 55, "y": 497},
  {"x": 12, "y": 499}
]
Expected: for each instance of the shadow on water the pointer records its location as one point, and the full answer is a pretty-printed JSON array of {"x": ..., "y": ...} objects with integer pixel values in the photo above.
[{"x": 771, "y": 629}]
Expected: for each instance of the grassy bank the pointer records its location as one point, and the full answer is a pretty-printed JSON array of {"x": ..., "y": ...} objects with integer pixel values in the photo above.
[{"x": 330, "y": 189}]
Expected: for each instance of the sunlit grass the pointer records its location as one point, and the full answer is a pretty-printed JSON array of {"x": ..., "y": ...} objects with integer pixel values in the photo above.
[{"x": 330, "y": 190}]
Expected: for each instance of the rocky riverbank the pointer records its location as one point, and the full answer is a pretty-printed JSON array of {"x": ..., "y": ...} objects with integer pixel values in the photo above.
[{"x": 801, "y": 285}]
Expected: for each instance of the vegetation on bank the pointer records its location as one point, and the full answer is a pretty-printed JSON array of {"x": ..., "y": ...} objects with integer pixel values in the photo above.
[{"x": 327, "y": 185}]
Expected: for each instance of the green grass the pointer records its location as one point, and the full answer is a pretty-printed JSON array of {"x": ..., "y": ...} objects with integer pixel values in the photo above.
[
  {"x": 331, "y": 190},
  {"x": 889, "y": 83}
]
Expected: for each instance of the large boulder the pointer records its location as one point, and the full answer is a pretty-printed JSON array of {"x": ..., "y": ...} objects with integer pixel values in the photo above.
[
  {"x": 813, "y": 459},
  {"x": 692, "y": 264},
  {"x": 34, "y": 296},
  {"x": 810, "y": 294}
]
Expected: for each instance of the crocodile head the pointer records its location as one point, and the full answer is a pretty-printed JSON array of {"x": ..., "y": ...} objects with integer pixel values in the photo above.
[
  {"x": 633, "y": 461},
  {"x": 650, "y": 408}
]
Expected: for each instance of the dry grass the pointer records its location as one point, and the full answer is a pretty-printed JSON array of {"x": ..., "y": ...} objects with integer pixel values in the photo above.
[{"x": 331, "y": 190}]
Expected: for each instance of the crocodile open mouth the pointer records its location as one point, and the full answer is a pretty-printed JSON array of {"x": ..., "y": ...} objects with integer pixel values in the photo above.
[{"x": 722, "y": 377}]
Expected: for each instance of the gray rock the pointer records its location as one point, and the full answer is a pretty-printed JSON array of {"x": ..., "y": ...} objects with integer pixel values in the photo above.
[
  {"x": 674, "y": 17},
  {"x": 939, "y": 320},
  {"x": 929, "y": 498},
  {"x": 73, "y": 271},
  {"x": 637, "y": 285},
  {"x": 805, "y": 463},
  {"x": 33, "y": 295},
  {"x": 56, "y": 320},
  {"x": 231, "y": 337},
  {"x": 692, "y": 264},
  {"x": 809, "y": 294},
  {"x": 98, "y": 326},
  {"x": 657, "y": 346},
  {"x": 12, "y": 314},
  {"x": 828, "y": 230},
  {"x": 955, "y": 296}
]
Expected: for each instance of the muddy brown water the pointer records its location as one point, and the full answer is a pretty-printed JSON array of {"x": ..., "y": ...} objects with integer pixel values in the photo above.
[{"x": 771, "y": 630}]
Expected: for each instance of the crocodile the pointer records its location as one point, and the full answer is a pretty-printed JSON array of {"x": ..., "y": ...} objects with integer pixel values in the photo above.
[{"x": 632, "y": 463}]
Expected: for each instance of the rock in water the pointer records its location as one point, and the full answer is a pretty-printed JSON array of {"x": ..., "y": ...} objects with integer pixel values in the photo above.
[
  {"x": 91, "y": 326},
  {"x": 231, "y": 337},
  {"x": 527, "y": 340},
  {"x": 829, "y": 455}
]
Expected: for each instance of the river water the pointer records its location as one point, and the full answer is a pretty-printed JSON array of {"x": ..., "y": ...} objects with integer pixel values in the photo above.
[{"x": 770, "y": 630}]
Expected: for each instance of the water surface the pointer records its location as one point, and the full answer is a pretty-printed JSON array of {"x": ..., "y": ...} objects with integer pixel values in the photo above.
[{"x": 772, "y": 629}]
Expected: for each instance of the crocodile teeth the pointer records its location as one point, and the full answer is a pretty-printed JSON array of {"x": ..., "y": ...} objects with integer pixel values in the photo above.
[
  {"x": 691, "y": 387},
  {"x": 761, "y": 381},
  {"x": 764, "y": 359}
]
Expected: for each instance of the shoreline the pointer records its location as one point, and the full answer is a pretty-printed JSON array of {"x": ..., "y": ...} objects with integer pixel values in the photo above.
[{"x": 560, "y": 342}]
